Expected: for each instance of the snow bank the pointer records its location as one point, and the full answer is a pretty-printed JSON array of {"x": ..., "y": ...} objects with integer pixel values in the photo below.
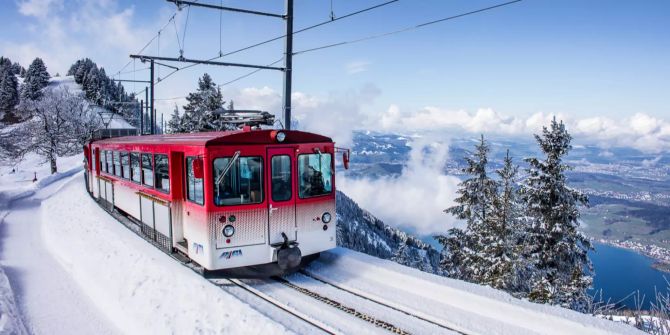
[
  {"x": 16, "y": 180},
  {"x": 16, "y": 185},
  {"x": 478, "y": 309},
  {"x": 142, "y": 289},
  {"x": 10, "y": 319}
]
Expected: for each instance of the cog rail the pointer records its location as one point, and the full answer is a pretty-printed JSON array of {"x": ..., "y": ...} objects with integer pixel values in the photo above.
[
  {"x": 381, "y": 303},
  {"x": 349, "y": 310}
]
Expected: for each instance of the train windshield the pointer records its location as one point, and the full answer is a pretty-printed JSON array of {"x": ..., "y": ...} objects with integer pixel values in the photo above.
[
  {"x": 242, "y": 183},
  {"x": 315, "y": 174}
]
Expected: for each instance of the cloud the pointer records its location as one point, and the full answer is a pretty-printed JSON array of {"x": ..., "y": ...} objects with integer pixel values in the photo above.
[
  {"x": 417, "y": 197},
  {"x": 335, "y": 115},
  {"x": 356, "y": 67},
  {"x": 639, "y": 131},
  {"x": 38, "y": 8},
  {"x": 61, "y": 32}
]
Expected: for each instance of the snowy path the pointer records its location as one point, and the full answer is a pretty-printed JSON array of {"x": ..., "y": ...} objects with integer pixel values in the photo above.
[{"x": 48, "y": 298}]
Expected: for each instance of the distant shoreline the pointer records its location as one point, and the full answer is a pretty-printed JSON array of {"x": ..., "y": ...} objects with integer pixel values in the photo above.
[{"x": 660, "y": 264}]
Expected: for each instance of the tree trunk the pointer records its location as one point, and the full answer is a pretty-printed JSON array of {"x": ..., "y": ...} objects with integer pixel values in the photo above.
[{"x": 54, "y": 168}]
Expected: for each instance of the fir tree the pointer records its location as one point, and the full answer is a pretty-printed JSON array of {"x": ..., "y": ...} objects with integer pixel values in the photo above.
[
  {"x": 199, "y": 112},
  {"x": 9, "y": 95},
  {"x": 35, "y": 80},
  {"x": 504, "y": 242},
  {"x": 558, "y": 251},
  {"x": 174, "y": 124},
  {"x": 463, "y": 248}
]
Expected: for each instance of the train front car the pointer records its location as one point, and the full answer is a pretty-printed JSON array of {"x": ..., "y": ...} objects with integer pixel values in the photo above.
[
  {"x": 249, "y": 203},
  {"x": 268, "y": 205}
]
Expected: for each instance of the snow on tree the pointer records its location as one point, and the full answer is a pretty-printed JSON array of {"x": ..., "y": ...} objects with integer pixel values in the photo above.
[
  {"x": 463, "y": 252},
  {"x": 60, "y": 123},
  {"x": 175, "y": 124},
  {"x": 9, "y": 95},
  {"x": 505, "y": 240},
  {"x": 200, "y": 111},
  {"x": 558, "y": 251},
  {"x": 35, "y": 80}
]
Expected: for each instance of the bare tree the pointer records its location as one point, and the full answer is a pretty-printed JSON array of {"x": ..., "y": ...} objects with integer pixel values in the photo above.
[{"x": 60, "y": 124}]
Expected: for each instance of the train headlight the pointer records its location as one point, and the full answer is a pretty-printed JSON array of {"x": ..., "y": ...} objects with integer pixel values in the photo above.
[
  {"x": 326, "y": 217},
  {"x": 281, "y": 136},
  {"x": 228, "y": 231}
]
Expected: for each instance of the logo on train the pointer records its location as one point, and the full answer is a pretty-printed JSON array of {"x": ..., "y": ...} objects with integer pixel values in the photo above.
[
  {"x": 230, "y": 254},
  {"x": 199, "y": 249}
]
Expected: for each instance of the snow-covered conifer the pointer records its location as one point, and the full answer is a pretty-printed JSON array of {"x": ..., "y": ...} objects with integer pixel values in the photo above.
[
  {"x": 174, "y": 124},
  {"x": 463, "y": 247},
  {"x": 199, "y": 112},
  {"x": 9, "y": 95},
  {"x": 35, "y": 80},
  {"x": 558, "y": 250}
]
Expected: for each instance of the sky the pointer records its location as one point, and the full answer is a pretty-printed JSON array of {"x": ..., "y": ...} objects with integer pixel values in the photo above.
[{"x": 602, "y": 66}]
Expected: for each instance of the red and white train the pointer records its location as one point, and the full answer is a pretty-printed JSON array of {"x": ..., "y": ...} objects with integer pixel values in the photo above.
[{"x": 245, "y": 203}]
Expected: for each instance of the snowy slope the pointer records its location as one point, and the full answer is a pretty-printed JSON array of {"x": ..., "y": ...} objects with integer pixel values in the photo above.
[
  {"x": 474, "y": 308},
  {"x": 143, "y": 290}
]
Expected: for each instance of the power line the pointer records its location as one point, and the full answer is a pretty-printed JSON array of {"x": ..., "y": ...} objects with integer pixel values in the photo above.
[
  {"x": 295, "y": 32},
  {"x": 250, "y": 73},
  {"x": 371, "y": 37},
  {"x": 377, "y": 36}
]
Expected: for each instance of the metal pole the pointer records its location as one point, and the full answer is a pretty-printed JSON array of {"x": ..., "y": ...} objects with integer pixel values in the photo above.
[
  {"x": 162, "y": 125},
  {"x": 151, "y": 109},
  {"x": 145, "y": 112},
  {"x": 288, "y": 64},
  {"x": 141, "y": 117}
]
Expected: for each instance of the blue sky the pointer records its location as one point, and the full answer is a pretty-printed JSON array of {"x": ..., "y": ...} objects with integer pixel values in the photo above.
[{"x": 579, "y": 59}]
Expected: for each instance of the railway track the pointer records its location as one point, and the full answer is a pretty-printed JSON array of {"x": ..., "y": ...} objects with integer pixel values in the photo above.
[
  {"x": 225, "y": 284},
  {"x": 416, "y": 315}
]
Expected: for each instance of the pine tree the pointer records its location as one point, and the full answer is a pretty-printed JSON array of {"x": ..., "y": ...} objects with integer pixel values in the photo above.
[
  {"x": 9, "y": 95},
  {"x": 463, "y": 247},
  {"x": 175, "y": 123},
  {"x": 91, "y": 86},
  {"x": 199, "y": 112},
  {"x": 558, "y": 252},
  {"x": 35, "y": 80},
  {"x": 5, "y": 62},
  {"x": 504, "y": 243}
]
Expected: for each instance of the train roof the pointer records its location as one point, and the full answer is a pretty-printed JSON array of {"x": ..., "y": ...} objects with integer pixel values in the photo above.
[{"x": 246, "y": 136}]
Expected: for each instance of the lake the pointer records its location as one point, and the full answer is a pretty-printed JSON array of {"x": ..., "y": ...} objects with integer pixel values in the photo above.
[{"x": 620, "y": 271}]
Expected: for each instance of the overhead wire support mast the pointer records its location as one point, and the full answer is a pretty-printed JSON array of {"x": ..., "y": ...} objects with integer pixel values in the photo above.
[{"x": 288, "y": 49}]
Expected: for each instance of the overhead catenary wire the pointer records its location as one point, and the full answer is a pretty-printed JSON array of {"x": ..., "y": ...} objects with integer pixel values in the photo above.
[
  {"x": 406, "y": 29},
  {"x": 378, "y": 36},
  {"x": 295, "y": 32}
]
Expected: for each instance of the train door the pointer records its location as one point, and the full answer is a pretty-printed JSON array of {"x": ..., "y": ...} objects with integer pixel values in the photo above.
[{"x": 281, "y": 200}]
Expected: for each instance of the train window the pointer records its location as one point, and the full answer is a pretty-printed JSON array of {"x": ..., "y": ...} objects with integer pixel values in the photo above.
[
  {"x": 110, "y": 166},
  {"x": 117, "y": 163},
  {"x": 162, "y": 173},
  {"x": 194, "y": 186},
  {"x": 135, "y": 167},
  {"x": 241, "y": 184},
  {"x": 147, "y": 170},
  {"x": 103, "y": 161},
  {"x": 315, "y": 174},
  {"x": 125, "y": 165},
  {"x": 281, "y": 178}
]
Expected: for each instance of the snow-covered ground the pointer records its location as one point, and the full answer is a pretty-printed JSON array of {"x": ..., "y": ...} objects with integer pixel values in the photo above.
[
  {"x": 143, "y": 290},
  {"x": 75, "y": 269}
]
